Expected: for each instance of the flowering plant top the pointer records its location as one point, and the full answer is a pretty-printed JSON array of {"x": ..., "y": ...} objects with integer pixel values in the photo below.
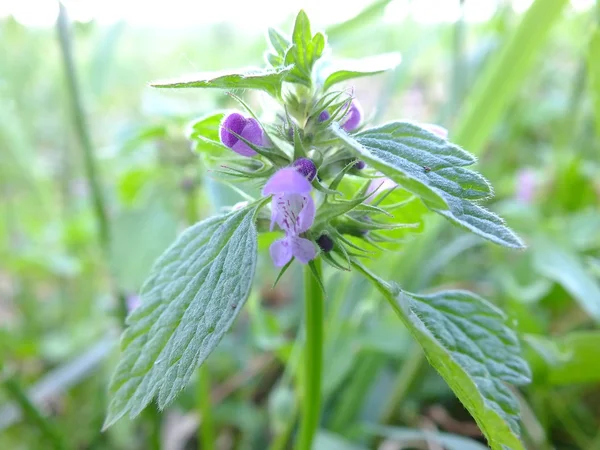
[{"x": 338, "y": 190}]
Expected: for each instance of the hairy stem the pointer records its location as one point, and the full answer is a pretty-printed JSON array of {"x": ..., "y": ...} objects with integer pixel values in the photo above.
[{"x": 313, "y": 357}]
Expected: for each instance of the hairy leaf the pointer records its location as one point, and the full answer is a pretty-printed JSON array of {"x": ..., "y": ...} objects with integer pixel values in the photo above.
[
  {"x": 268, "y": 80},
  {"x": 194, "y": 292},
  {"x": 306, "y": 49},
  {"x": 434, "y": 169},
  {"x": 467, "y": 341},
  {"x": 340, "y": 71}
]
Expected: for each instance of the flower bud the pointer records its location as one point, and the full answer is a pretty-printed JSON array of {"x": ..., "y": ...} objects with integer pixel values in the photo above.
[
  {"x": 325, "y": 243},
  {"x": 248, "y": 128},
  {"x": 353, "y": 116},
  {"x": 306, "y": 167},
  {"x": 324, "y": 116},
  {"x": 360, "y": 165}
]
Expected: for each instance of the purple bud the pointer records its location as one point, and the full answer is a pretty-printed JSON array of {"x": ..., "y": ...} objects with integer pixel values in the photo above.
[
  {"x": 324, "y": 116},
  {"x": 306, "y": 167},
  {"x": 353, "y": 116},
  {"x": 325, "y": 243},
  {"x": 360, "y": 165},
  {"x": 248, "y": 128}
]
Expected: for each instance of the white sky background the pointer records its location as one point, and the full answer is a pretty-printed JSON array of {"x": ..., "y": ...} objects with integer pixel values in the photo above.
[{"x": 251, "y": 14}]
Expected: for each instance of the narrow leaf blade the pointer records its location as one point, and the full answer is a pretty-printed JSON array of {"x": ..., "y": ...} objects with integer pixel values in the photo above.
[
  {"x": 355, "y": 68},
  {"x": 268, "y": 80}
]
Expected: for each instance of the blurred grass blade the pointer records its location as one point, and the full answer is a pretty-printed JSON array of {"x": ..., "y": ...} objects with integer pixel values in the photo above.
[
  {"x": 568, "y": 270},
  {"x": 594, "y": 74},
  {"x": 565, "y": 360},
  {"x": 502, "y": 78},
  {"x": 367, "y": 15},
  {"x": 52, "y": 436}
]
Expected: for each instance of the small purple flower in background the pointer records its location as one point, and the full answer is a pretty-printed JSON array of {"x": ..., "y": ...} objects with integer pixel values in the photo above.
[
  {"x": 306, "y": 167},
  {"x": 248, "y": 128},
  {"x": 353, "y": 116},
  {"x": 293, "y": 209},
  {"x": 525, "y": 186},
  {"x": 435, "y": 129},
  {"x": 324, "y": 116},
  {"x": 133, "y": 301}
]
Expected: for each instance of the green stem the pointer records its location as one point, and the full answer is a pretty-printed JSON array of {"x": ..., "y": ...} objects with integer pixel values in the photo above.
[
  {"x": 207, "y": 430},
  {"x": 78, "y": 116},
  {"x": 313, "y": 357},
  {"x": 83, "y": 136},
  {"x": 34, "y": 415}
]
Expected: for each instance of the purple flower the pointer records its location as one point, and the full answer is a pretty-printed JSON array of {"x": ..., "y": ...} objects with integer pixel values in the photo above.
[
  {"x": 248, "y": 128},
  {"x": 353, "y": 116},
  {"x": 324, "y": 116},
  {"x": 293, "y": 209},
  {"x": 133, "y": 301},
  {"x": 306, "y": 167},
  {"x": 525, "y": 186}
]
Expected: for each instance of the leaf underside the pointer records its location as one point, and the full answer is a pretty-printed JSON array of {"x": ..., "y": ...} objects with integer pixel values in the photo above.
[
  {"x": 434, "y": 169},
  {"x": 191, "y": 298}
]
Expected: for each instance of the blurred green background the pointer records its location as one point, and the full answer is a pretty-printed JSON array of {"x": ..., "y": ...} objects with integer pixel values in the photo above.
[{"x": 96, "y": 180}]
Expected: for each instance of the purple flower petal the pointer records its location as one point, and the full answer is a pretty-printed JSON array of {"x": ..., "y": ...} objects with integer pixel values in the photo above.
[
  {"x": 307, "y": 215},
  {"x": 233, "y": 122},
  {"x": 353, "y": 116},
  {"x": 294, "y": 213},
  {"x": 287, "y": 180},
  {"x": 303, "y": 249},
  {"x": 249, "y": 129},
  {"x": 281, "y": 252}
]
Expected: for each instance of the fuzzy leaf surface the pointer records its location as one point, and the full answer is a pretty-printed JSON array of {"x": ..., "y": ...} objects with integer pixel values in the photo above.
[
  {"x": 193, "y": 294},
  {"x": 434, "y": 169},
  {"x": 467, "y": 341}
]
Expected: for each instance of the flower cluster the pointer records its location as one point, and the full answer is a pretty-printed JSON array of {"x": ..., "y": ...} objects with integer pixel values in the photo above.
[{"x": 293, "y": 181}]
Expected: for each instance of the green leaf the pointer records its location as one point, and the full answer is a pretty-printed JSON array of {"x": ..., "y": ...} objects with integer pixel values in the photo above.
[
  {"x": 279, "y": 42},
  {"x": 568, "y": 270},
  {"x": 306, "y": 49},
  {"x": 467, "y": 341},
  {"x": 354, "y": 68},
  {"x": 191, "y": 298},
  {"x": 568, "y": 359},
  {"x": 204, "y": 134},
  {"x": 268, "y": 80},
  {"x": 432, "y": 168},
  {"x": 594, "y": 71}
]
